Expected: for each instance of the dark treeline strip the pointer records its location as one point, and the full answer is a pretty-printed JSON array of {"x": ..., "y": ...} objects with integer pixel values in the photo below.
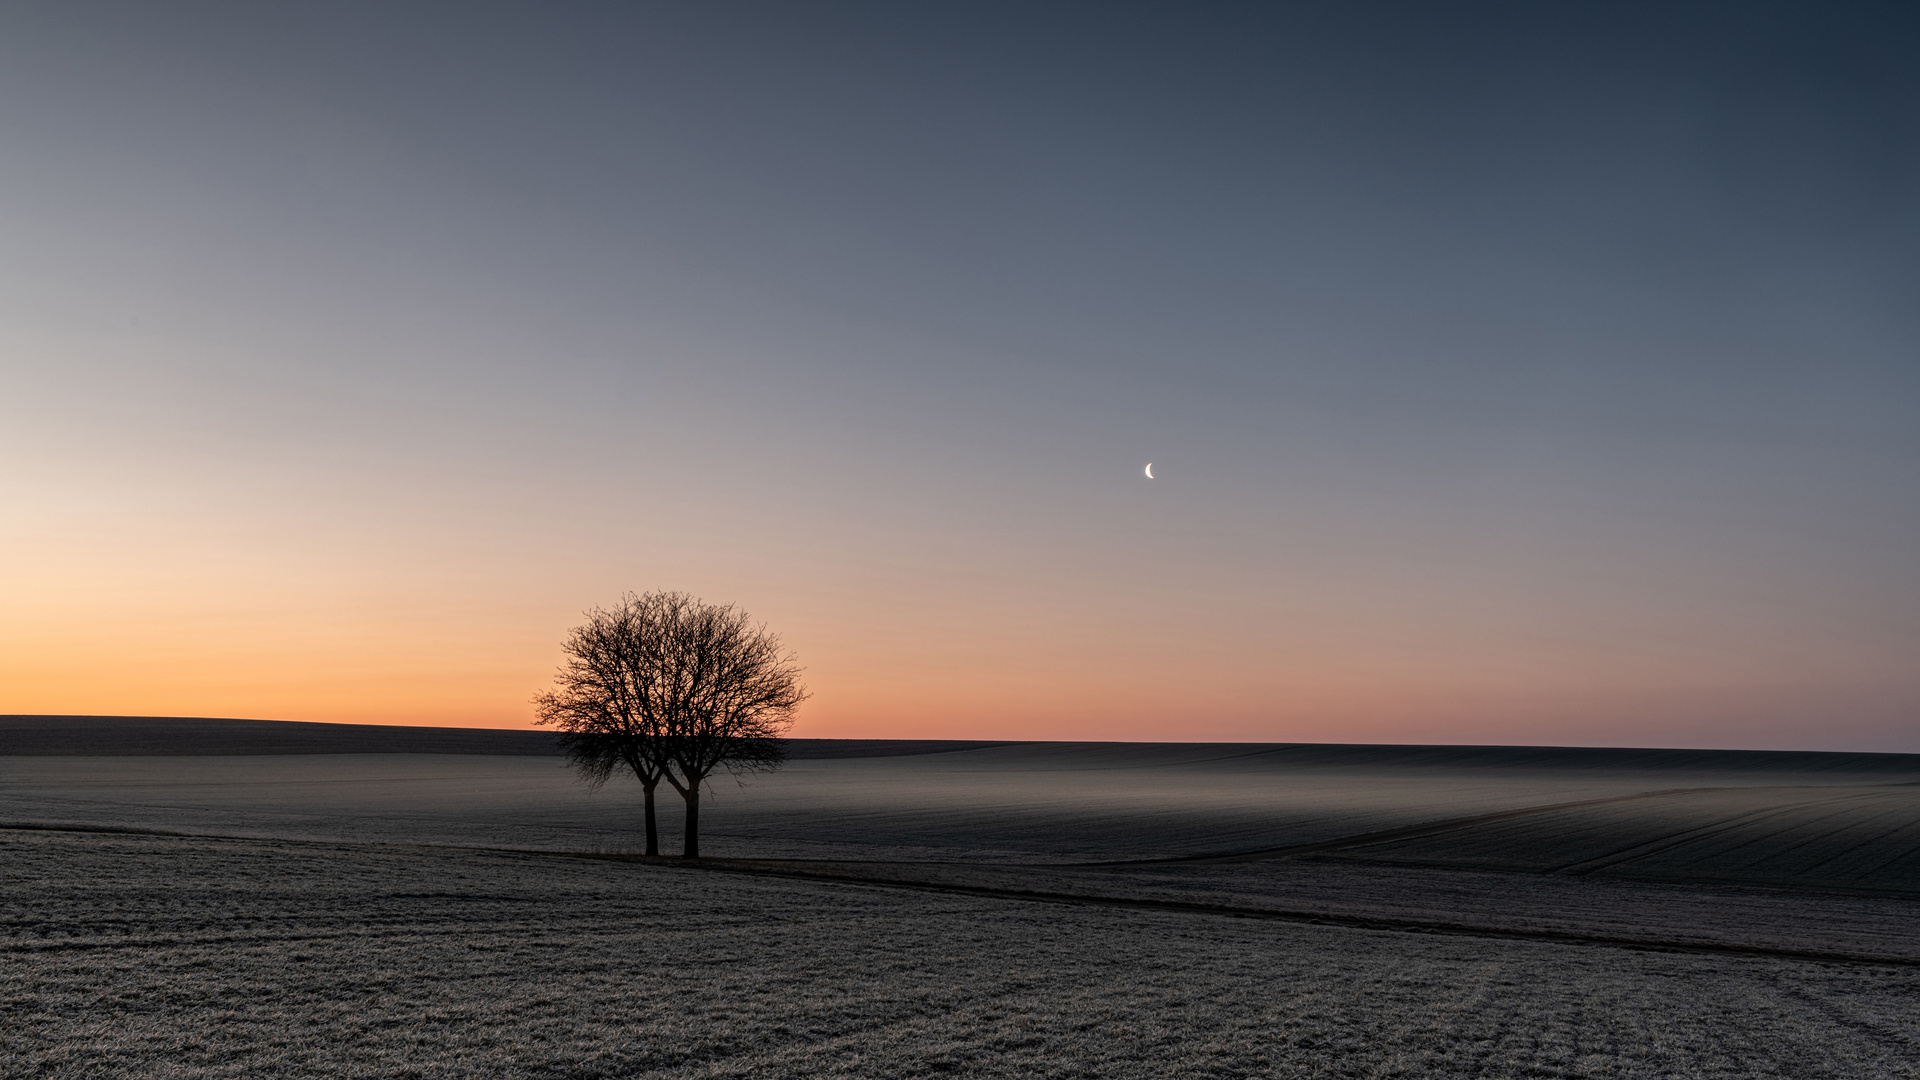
[
  {"x": 1598, "y": 758},
  {"x": 159, "y": 736},
  {"x": 144, "y": 736},
  {"x": 140, "y": 736}
]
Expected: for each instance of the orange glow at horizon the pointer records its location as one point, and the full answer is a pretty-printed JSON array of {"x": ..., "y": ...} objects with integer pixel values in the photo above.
[{"x": 368, "y": 663}]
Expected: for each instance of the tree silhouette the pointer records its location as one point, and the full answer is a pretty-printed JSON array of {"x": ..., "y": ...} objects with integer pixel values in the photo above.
[{"x": 672, "y": 689}]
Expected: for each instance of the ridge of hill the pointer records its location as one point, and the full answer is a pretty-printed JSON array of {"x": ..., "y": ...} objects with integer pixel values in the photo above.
[
  {"x": 151, "y": 736},
  {"x": 179, "y": 736}
]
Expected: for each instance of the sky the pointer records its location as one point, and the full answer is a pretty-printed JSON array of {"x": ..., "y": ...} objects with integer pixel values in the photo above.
[{"x": 1531, "y": 373}]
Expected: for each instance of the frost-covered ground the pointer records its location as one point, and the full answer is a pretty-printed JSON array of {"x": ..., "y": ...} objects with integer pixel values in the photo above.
[
  {"x": 1792, "y": 921},
  {"x": 128, "y": 955}
]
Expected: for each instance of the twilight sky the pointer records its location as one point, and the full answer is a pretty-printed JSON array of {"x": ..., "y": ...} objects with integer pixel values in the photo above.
[{"x": 1525, "y": 374}]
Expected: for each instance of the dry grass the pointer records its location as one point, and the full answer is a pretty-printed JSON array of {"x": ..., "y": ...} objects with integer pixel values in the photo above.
[{"x": 153, "y": 956}]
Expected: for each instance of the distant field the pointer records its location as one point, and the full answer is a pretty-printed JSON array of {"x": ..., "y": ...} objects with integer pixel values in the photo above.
[
  {"x": 1023, "y": 802},
  {"x": 1859, "y": 838},
  {"x": 141, "y": 956},
  {"x": 1063, "y": 802}
]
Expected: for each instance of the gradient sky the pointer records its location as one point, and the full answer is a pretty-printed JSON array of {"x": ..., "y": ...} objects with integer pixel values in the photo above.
[{"x": 1529, "y": 374}]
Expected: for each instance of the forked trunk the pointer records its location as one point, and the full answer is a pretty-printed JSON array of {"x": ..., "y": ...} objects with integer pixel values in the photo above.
[
  {"x": 653, "y": 826},
  {"x": 690, "y": 849}
]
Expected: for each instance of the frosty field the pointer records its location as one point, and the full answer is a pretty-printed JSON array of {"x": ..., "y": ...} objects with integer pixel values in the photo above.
[
  {"x": 164, "y": 956},
  {"x": 1016, "y": 910}
]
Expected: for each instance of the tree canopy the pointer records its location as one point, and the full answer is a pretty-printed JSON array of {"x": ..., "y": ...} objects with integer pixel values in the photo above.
[{"x": 671, "y": 688}]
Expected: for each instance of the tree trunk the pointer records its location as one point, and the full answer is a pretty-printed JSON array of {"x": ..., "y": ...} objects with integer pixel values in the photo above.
[
  {"x": 653, "y": 827},
  {"x": 690, "y": 849}
]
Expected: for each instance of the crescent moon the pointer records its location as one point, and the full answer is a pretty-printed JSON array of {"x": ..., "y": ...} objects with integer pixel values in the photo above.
[{"x": 1149, "y": 470}]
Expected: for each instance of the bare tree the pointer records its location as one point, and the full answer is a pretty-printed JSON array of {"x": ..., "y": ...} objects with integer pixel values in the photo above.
[{"x": 673, "y": 689}]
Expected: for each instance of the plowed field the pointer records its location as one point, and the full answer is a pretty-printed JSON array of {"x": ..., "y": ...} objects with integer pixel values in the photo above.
[
  {"x": 142, "y": 956},
  {"x": 1865, "y": 839}
]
